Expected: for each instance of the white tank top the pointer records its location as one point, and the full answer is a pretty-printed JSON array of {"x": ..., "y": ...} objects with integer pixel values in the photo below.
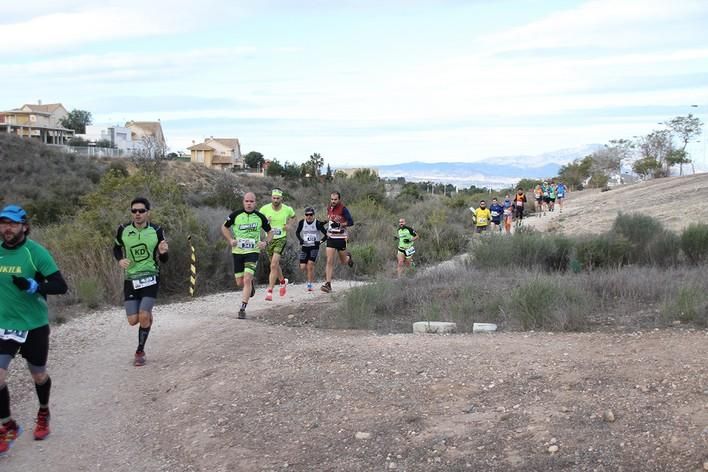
[{"x": 309, "y": 233}]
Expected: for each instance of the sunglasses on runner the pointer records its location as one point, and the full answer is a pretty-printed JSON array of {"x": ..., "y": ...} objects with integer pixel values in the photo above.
[
  {"x": 138, "y": 210},
  {"x": 309, "y": 214}
]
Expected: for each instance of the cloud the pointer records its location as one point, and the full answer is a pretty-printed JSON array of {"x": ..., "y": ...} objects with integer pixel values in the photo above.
[
  {"x": 122, "y": 64},
  {"x": 58, "y": 26},
  {"x": 607, "y": 23}
]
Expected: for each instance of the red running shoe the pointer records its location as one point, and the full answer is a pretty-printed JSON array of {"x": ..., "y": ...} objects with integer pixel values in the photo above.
[
  {"x": 8, "y": 433},
  {"x": 41, "y": 429},
  {"x": 139, "y": 359}
]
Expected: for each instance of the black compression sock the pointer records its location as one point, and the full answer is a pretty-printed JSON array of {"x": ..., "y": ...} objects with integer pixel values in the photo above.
[
  {"x": 43, "y": 392},
  {"x": 4, "y": 402},
  {"x": 142, "y": 337}
]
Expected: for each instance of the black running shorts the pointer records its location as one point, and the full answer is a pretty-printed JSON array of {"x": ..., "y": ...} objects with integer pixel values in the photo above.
[
  {"x": 338, "y": 244},
  {"x": 309, "y": 253},
  {"x": 131, "y": 293},
  {"x": 35, "y": 349}
]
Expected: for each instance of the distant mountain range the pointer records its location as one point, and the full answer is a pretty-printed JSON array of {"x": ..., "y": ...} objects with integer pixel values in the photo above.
[{"x": 494, "y": 172}]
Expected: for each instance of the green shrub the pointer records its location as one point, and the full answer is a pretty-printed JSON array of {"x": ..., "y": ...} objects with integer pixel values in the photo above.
[
  {"x": 90, "y": 292},
  {"x": 362, "y": 306},
  {"x": 694, "y": 243},
  {"x": 604, "y": 251},
  {"x": 550, "y": 303},
  {"x": 637, "y": 228},
  {"x": 529, "y": 249},
  {"x": 688, "y": 305},
  {"x": 531, "y": 303},
  {"x": 643, "y": 231},
  {"x": 664, "y": 248}
]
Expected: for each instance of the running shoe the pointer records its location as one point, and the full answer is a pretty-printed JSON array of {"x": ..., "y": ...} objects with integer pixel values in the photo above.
[
  {"x": 283, "y": 288},
  {"x": 41, "y": 429},
  {"x": 242, "y": 314},
  {"x": 309, "y": 286},
  {"x": 269, "y": 295},
  {"x": 139, "y": 359},
  {"x": 8, "y": 433},
  {"x": 326, "y": 287},
  {"x": 350, "y": 262}
]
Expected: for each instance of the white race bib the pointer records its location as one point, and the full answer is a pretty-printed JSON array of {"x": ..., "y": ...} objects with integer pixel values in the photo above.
[
  {"x": 519, "y": 203},
  {"x": 13, "y": 335},
  {"x": 410, "y": 251},
  {"x": 143, "y": 282},
  {"x": 495, "y": 213},
  {"x": 310, "y": 238},
  {"x": 246, "y": 243},
  {"x": 277, "y": 231}
]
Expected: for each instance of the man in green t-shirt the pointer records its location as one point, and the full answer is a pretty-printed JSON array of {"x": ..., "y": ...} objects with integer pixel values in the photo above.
[
  {"x": 242, "y": 229},
  {"x": 279, "y": 215},
  {"x": 28, "y": 274},
  {"x": 405, "y": 237},
  {"x": 138, "y": 247}
]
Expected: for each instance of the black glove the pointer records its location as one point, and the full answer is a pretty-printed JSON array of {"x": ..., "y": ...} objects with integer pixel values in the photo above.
[
  {"x": 26, "y": 285},
  {"x": 333, "y": 224}
]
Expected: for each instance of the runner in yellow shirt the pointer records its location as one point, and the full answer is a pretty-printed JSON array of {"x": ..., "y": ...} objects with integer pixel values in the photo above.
[
  {"x": 482, "y": 217},
  {"x": 278, "y": 215}
]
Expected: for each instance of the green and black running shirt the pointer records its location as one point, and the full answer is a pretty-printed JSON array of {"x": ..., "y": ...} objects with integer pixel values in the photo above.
[
  {"x": 19, "y": 310},
  {"x": 140, "y": 248},
  {"x": 405, "y": 237},
  {"x": 246, "y": 229}
]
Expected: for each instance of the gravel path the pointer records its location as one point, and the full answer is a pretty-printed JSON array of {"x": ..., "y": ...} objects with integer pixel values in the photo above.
[{"x": 221, "y": 394}]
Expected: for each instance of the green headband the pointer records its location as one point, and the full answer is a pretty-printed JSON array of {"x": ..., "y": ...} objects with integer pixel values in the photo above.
[{"x": 277, "y": 193}]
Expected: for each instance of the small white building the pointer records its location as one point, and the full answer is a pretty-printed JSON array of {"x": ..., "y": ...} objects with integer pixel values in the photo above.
[{"x": 118, "y": 136}]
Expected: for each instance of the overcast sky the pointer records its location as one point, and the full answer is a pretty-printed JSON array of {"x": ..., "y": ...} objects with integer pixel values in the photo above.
[{"x": 364, "y": 81}]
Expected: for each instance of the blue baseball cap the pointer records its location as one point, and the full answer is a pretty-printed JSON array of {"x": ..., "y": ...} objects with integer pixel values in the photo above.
[{"x": 14, "y": 213}]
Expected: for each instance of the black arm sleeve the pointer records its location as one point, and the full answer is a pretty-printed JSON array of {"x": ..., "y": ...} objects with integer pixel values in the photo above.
[
  {"x": 118, "y": 244},
  {"x": 298, "y": 231},
  {"x": 321, "y": 226},
  {"x": 53, "y": 284}
]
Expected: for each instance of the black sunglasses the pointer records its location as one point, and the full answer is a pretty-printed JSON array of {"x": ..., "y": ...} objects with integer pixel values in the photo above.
[{"x": 138, "y": 210}]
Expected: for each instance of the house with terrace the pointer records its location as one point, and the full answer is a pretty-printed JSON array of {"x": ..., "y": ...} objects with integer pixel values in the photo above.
[{"x": 219, "y": 153}]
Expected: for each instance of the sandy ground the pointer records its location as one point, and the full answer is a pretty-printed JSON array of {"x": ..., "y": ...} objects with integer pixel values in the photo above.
[{"x": 221, "y": 394}]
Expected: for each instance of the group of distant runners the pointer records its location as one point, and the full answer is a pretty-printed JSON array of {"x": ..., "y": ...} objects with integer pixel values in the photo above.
[{"x": 500, "y": 216}]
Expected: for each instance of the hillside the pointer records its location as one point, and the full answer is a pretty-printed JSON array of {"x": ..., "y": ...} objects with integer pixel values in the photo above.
[{"x": 675, "y": 201}]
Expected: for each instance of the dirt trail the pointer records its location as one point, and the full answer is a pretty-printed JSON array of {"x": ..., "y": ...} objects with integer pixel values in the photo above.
[{"x": 221, "y": 394}]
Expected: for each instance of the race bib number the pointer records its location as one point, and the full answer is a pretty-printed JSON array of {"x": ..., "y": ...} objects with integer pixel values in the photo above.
[
  {"x": 519, "y": 203},
  {"x": 13, "y": 335},
  {"x": 277, "y": 231},
  {"x": 246, "y": 243},
  {"x": 143, "y": 282},
  {"x": 495, "y": 213},
  {"x": 310, "y": 238},
  {"x": 482, "y": 219},
  {"x": 410, "y": 251}
]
